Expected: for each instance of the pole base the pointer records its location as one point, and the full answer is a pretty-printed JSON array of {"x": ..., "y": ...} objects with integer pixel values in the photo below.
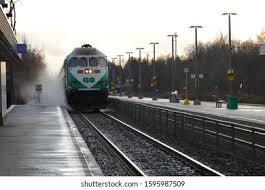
[{"x": 186, "y": 101}]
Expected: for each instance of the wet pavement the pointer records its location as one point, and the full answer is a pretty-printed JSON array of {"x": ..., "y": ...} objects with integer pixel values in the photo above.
[
  {"x": 43, "y": 141},
  {"x": 245, "y": 114}
]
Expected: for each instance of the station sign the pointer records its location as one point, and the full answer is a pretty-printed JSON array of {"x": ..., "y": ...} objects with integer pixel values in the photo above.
[
  {"x": 38, "y": 87},
  {"x": 192, "y": 76},
  {"x": 21, "y": 48},
  {"x": 3, "y": 3}
]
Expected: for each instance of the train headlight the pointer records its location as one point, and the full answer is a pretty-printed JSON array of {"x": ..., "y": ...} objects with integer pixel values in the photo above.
[{"x": 88, "y": 71}]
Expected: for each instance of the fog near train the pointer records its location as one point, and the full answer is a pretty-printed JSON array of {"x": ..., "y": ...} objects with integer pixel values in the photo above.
[{"x": 52, "y": 93}]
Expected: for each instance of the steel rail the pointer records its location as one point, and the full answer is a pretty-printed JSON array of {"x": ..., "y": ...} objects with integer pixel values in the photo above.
[
  {"x": 188, "y": 160},
  {"x": 114, "y": 150}
]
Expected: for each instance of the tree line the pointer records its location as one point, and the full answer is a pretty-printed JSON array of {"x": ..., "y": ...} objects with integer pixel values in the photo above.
[{"x": 212, "y": 59}]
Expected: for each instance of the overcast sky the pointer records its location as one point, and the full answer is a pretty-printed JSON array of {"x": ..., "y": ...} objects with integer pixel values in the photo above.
[{"x": 117, "y": 26}]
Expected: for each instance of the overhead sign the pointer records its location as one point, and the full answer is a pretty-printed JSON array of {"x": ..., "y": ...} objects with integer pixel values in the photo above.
[
  {"x": 186, "y": 70},
  {"x": 2, "y": 2},
  {"x": 21, "y": 48},
  {"x": 192, "y": 76}
]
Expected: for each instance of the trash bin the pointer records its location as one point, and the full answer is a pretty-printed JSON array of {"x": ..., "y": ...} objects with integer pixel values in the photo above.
[{"x": 232, "y": 102}]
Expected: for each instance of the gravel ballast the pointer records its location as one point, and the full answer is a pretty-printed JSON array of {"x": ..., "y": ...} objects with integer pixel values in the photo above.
[{"x": 148, "y": 157}]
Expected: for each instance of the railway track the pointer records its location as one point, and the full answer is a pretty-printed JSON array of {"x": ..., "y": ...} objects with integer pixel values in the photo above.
[
  {"x": 142, "y": 154},
  {"x": 124, "y": 161}
]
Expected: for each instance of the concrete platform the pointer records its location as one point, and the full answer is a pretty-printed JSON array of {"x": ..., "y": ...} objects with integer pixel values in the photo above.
[
  {"x": 43, "y": 141},
  {"x": 253, "y": 115}
]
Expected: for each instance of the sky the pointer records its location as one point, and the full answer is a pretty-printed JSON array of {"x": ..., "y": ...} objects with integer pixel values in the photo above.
[{"x": 118, "y": 26}]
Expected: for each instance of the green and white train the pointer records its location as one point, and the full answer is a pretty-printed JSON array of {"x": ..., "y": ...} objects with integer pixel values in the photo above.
[{"x": 85, "y": 76}]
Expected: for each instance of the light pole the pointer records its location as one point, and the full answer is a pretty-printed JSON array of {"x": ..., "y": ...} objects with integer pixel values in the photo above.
[
  {"x": 130, "y": 82},
  {"x": 176, "y": 47},
  {"x": 232, "y": 102},
  {"x": 113, "y": 74},
  {"x": 173, "y": 67},
  {"x": 196, "y": 93},
  {"x": 154, "y": 79},
  {"x": 140, "y": 95},
  {"x": 186, "y": 100},
  {"x": 120, "y": 75}
]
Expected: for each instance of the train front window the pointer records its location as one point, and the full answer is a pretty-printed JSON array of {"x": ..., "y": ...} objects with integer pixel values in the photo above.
[
  {"x": 93, "y": 62},
  {"x": 102, "y": 62},
  {"x": 73, "y": 62},
  {"x": 83, "y": 62}
]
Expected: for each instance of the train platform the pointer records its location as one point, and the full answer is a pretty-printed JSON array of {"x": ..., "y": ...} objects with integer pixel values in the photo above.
[
  {"x": 43, "y": 141},
  {"x": 253, "y": 115}
]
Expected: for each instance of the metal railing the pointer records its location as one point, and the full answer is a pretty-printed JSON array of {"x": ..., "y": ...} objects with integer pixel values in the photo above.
[{"x": 235, "y": 138}]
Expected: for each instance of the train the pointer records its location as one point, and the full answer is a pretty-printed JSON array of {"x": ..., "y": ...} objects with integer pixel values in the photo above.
[{"x": 85, "y": 77}]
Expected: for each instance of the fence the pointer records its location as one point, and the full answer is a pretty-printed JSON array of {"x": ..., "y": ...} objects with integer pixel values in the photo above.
[{"x": 234, "y": 137}]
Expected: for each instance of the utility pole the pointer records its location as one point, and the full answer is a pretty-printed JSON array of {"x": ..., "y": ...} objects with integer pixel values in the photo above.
[
  {"x": 232, "y": 101},
  {"x": 120, "y": 75},
  {"x": 130, "y": 82},
  {"x": 154, "y": 79},
  {"x": 140, "y": 95},
  {"x": 196, "y": 93}
]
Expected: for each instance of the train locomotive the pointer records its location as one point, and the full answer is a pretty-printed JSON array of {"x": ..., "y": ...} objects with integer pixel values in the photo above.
[{"x": 85, "y": 77}]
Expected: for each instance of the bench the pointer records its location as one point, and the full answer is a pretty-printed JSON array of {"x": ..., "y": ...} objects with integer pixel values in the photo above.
[{"x": 219, "y": 103}]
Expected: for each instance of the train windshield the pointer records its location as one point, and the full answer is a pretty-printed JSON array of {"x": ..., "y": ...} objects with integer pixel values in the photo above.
[
  {"x": 83, "y": 62},
  {"x": 102, "y": 62},
  {"x": 73, "y": 62},
  {"x": 93, "y": 62}
]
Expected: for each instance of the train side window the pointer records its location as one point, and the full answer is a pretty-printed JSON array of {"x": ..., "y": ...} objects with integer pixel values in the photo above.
[
  {"x": 83, "y": 62},
  {"x": 93, "y": 62},
  {"x": 73, "y": 62},
  {"x": 102, "y": 62}
]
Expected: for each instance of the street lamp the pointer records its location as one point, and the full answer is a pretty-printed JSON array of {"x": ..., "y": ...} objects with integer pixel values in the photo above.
[
  {"x": 232, "y": 102},
  {"x": 120, "y": 77},
  {"x": 130, "y": 82},
  {"x": 173, "y": 66},
  {"x": 196, "y": 79},
  {"x": 176, "y": 36},
  {"x": 154, "y": 79},
  {"x": 140, "y": 96}
]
